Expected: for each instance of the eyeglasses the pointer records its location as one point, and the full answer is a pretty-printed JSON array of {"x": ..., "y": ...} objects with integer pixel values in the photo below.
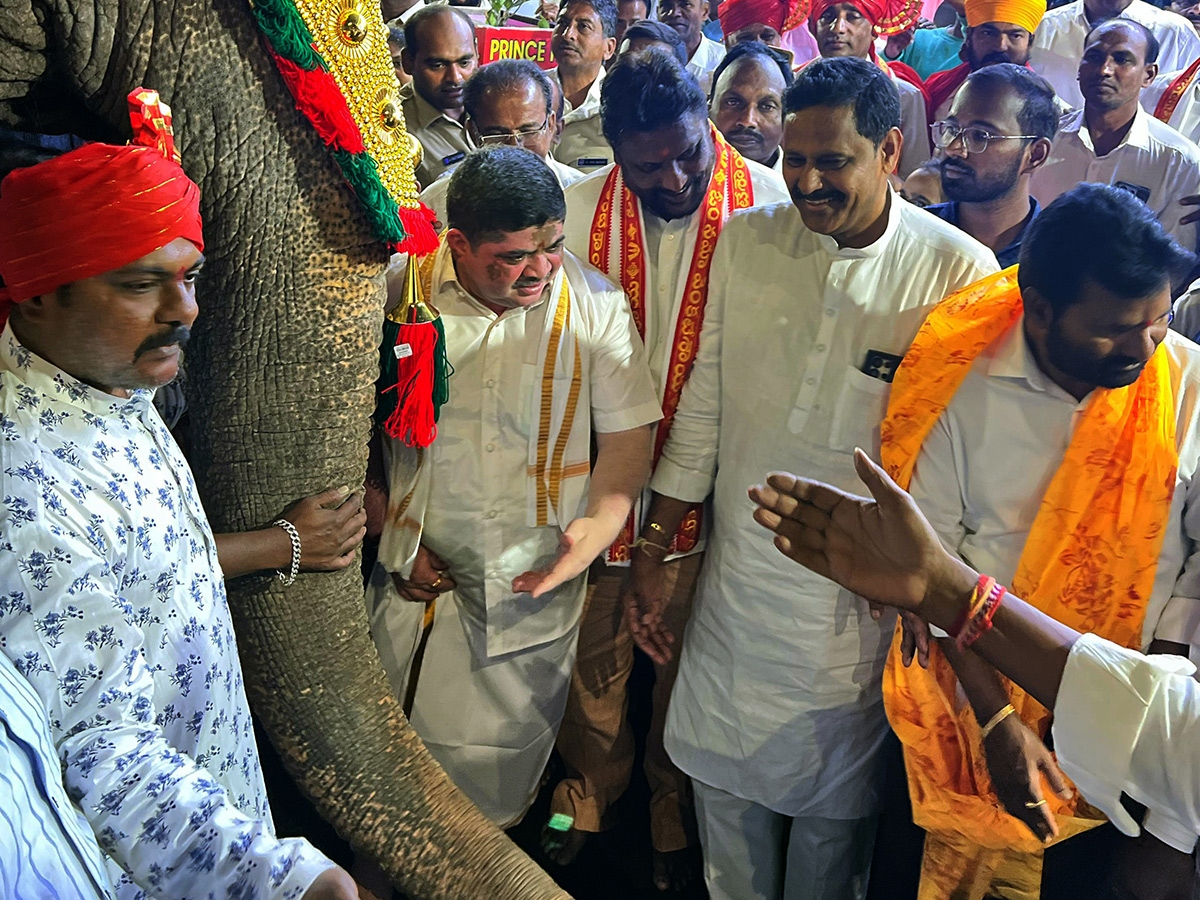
[
  {"x": 975, "y": 139},
  {"x": 514, "y": 138}
]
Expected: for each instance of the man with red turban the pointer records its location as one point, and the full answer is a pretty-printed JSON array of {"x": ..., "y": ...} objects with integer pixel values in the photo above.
[
  {"x": 998, "y": 31},
  {"x": 849, "y": 28},
  {"x": 115, "y": 610},
  {"x": 764, "y": 21}
]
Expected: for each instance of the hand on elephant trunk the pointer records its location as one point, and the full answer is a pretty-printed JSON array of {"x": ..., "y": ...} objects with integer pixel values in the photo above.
[
  {"x": 331, "y": 526},
  {"x": 430, "y": 576}
]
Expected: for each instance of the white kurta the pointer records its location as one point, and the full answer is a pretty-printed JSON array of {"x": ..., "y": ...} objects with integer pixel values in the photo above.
[
  {"x": 1153, "y": 160},
  {"x": 669, "y": 249},
  {"x": 778, "y": 699},
  {"x": 704, "y": 62},
  {"x": 112, "y": 605},
  {"x": 1186, "y": 117},
  {"x": 434, "y": 196},
  {"x": 914, "y": 125},
  {"x": 476, "y": 520},
  {"x": 582, "y": 145},
  {"x": 1058, "y": 43},
  {"x": 988, "y": 461}
]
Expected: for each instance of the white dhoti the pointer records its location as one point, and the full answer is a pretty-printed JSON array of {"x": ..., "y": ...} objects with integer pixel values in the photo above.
[{"x": 490, "y": 722}]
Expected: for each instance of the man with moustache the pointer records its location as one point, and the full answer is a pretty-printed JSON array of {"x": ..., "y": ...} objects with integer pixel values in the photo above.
[
  {"x": 997, "y": 31},
  {"x": 747, "y": 101},
  {"x": 687, "y": 17},
  {"x": 1112, "y": 140},
  {"x": 997, "y": 135},
  {"x": 509, "y": 101},
  {"x": 490, "y": 529},
  {"x": 761, "y": 21},
  {"x": 1067, "y": 383},
  {"x": 439, "y": 54},
  {"x": 651, "y": 220},
  {"x": 776, "y": 715},
  {"x": 850, "y": 29},
  {"x": 628, "y": 12},
  {"x": 584, "y": 39}
]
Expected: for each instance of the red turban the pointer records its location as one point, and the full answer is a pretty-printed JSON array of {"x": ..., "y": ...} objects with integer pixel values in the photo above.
[
  {"x": 87, "y": 212},
  {"x": 888, "y": 16},
  {"x": 738, "y": 14}
]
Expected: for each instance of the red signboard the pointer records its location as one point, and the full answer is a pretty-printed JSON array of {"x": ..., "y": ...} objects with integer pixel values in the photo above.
[{"x": 514, "y": 43}]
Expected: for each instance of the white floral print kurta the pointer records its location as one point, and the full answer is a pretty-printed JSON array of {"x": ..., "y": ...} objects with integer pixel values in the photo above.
[{"x": 112, "y": 605}]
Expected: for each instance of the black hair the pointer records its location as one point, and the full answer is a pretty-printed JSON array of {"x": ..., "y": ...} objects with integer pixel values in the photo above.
[
  {"x": 1103, "y": 234},
  {"x": 1039, "y": 114},
  {"x": 505, "y": 76},
  {"x": 1152, "y": 45},
  {"x": 768, "y": 55},
  {"x": 426, "y": 13},
  {"x": 502, "y": 190},
  {"x": 606, "y": 11},
  {"x": 848, "y": 81},
  {"x": 645, "y": 91},
  {"x": 653, "y": 30}
]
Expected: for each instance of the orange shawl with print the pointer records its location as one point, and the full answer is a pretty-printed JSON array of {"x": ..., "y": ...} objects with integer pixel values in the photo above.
[{"x": 1089, "y": 561}]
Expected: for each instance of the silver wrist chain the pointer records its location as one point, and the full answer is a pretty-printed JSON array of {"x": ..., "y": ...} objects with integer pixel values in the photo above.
[{"x": 295, "y": 536}]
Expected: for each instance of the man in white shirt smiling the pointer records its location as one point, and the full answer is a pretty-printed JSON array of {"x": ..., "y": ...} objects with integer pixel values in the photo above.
[
  {"x": 1112, "y": 140},
  {"x": 776, "y": 714},
  {"x": 503, "y": 513}
]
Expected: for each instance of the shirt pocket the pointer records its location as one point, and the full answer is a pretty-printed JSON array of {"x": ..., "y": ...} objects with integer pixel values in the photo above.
[{"x": 861, "y": 405}]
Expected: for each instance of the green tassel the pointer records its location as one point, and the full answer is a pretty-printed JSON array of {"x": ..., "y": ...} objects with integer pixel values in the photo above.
[
  {"x": 289, "y": 36},
  {"x": 362, "y": 173},
  {"x": 442, "y": 370},
  {"x": 385, "y": 403}
]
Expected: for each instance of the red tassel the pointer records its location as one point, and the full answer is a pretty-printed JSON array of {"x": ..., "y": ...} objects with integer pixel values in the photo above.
[
  {"x": 320, "y": 99},
  {"x": 413, "y": 422},
  {"x": 418, "y": 225}
]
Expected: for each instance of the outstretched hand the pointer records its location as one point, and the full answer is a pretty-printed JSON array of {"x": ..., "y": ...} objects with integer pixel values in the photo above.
[
  {"x": 881, "y": 549},
  {"x": 581, "y": 543}
]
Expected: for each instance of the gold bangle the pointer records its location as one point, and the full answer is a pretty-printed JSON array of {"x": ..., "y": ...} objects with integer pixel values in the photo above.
[
  {"x": 654, "y": 526},
  {"x": 995, "y": 720}
]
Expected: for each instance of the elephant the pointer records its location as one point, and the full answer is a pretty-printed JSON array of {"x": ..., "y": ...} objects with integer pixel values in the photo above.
[{"x": 281, "y": 373}]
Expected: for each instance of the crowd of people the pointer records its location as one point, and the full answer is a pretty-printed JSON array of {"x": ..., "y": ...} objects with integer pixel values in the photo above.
[{"x": 707, "y": 245}]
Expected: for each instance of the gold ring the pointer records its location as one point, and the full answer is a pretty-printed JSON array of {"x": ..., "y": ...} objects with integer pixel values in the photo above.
[
  {"x": 438, "y": 580},
  {"x": 1032, "y": 805}
]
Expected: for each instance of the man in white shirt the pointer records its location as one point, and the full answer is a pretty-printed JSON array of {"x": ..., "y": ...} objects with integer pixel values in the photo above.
[
  {"x": 1124, "y": 723},
  {"x": 850, "y": 29},
  {"x": 1112, "y": 140},
  {"x": 439, "y": 54},
  {"x": 1174, "y": 98},
  {"x": 114, "y": 604},
  {"x": 584, "y": 39},
  {"x": 510, "y": 101},
  {"x": 747, "y": 101},
  {"x": 1095, "y": 285},
  {"x": 497, "y": 516},
  {"x": 1059, "y": 41},
  {"x": 649, "y": 221},
  {"x": 776, "y": 715},
  {"x": 688, "y": 17}
]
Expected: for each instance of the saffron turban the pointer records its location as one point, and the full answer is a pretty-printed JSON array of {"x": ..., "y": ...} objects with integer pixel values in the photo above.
[
  {"x": 887, "y": 16},
  {"x": 95, "y": 209},
  {"x": 1024, "y": 13},
  {"x": 738, "y": 14}
]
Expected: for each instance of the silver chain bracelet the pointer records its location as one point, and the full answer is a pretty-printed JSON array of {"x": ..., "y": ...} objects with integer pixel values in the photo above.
[{"x": 295, "y": 536}]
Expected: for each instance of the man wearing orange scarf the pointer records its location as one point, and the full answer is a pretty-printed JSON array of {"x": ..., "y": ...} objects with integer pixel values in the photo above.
[
  {"x": 651, "y": 220},
  {"x": 1048, "y": 424},
  {"x": 997, "y": 31},
  {"x": 844, "y": 28},
  {"x": 114, "y": 607}
]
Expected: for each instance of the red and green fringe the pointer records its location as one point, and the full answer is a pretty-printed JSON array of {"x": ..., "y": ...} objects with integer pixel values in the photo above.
[{"x": 318, "y": 97}]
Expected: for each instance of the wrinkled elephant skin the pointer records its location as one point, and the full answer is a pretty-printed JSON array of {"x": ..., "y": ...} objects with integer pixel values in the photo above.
[{"x": 282, "y": 369}]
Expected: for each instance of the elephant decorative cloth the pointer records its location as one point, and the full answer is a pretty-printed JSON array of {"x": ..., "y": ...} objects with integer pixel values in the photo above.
[{"x": 90, "y": 211}]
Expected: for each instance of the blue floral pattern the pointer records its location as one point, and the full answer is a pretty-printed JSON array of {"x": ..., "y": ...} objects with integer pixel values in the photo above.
[{"x": 112, "y": 605}]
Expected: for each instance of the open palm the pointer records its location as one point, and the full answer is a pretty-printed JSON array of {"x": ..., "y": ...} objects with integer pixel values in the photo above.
[{"x": 881, "y": 549}]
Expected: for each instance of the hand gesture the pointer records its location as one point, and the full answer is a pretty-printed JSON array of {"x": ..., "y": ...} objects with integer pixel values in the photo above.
[
  {"x": 644, "y": 597},
  {"x": 898, "y": 43},
  {"x": 883, "y": 549},
  {"x": 331, "y": 525},
  {"x": 581, "y": 543},
  {"x": 548, "y": 10},
  {"x": 429, "y": 577},
  {"x": 1015, "y": 758},
  {"x": 914, "y": 640}
]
